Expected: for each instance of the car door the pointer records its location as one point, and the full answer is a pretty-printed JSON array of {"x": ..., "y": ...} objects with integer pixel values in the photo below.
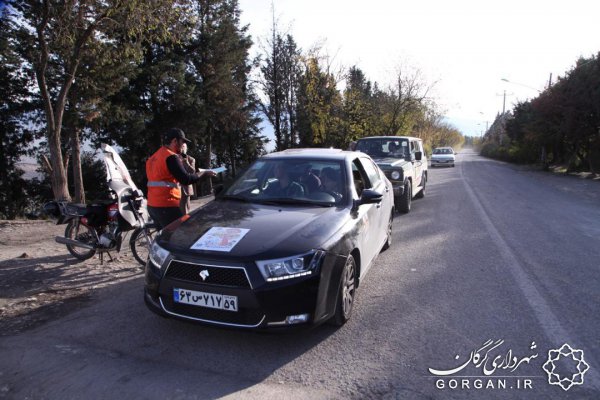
[
  {"x": 416, "y": 165},
  {"x": 421, "y": 164},
  {"x": 373, "y": 216}
]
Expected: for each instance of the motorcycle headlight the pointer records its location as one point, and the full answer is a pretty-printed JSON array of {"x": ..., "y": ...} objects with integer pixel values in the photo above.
[
  {"x": 395, "y": 175},
  {"x": 158, "y": 255},
  {"x": 290, "y": 267}
]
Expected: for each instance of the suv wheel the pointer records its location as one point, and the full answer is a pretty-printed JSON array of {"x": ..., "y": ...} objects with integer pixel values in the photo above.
[{"x": 403, "y": 203}]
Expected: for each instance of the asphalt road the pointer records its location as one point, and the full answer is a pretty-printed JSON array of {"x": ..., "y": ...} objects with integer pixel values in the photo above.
[{"x": 493, "y": 252}]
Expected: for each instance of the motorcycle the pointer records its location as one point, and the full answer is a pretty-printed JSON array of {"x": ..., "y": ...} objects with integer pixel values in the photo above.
[{"x": 102, "y": 226}]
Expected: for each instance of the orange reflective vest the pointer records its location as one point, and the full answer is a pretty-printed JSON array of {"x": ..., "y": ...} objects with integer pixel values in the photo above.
[{"x": 163, "y": 189}]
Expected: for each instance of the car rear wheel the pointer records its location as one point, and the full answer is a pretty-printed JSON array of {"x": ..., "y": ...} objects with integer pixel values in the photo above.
[
  {"x": 346, "y": 293},
  {"x": 403, "y": 203}
]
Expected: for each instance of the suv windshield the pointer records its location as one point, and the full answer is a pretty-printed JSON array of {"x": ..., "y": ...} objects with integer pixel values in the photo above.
[
  {"x": 290, "y": 181},
  {"x": 379, "y": 148}
]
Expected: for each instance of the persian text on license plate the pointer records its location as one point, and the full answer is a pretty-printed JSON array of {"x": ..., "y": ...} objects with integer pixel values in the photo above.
[{"x": 202, "y": 299}]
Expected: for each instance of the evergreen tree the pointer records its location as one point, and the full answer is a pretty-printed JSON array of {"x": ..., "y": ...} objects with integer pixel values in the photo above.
[
  {"x": 280, "y": 81},
  {"x": 358, "y": 106},
  {"x": 15, "y": 133},
  {"x": 226, "y": 107},
  {"x": 319, "y": 107}
]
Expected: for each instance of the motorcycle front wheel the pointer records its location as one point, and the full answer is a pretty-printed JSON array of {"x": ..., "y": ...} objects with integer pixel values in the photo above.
[
  {"x": 81, "y": 233},
  {"x": 140, "y": 242}
]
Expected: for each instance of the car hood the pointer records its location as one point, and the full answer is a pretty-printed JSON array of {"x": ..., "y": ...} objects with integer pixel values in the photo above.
[
  {"x": 274, "y": 230},
  {"x": 389, "y": 162}
]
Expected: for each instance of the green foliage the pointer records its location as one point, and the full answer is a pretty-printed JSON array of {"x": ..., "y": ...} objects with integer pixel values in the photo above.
[
  {"x": 327, "y": 117},
  {"x": 319, "y": 107},
  {"x": 562, "y": 124},
  {"x": 14, "y": 135},
  {"x": 358, "y": 108},
  {"x": 281, "y": 73},
  {"x": 86, "y": 44}
]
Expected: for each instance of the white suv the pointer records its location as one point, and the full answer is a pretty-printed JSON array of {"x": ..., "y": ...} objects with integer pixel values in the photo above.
[{"x": 404, "y": 163}]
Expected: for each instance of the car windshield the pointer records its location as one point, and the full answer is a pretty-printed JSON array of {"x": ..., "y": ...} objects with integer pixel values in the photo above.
[
  {"x": 442, "y": 151},
  {"x": 290, "y": 181},
  {"x": 379, "y": 148}
]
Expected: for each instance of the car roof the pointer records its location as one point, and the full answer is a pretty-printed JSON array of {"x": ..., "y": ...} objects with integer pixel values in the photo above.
[
  {"x": 445, "y": 147},
  {"x": 389, "y": 137},
  {"x": 313, "y": 153}
]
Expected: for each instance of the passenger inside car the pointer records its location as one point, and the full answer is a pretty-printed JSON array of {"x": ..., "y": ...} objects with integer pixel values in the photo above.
[
  {"x": 309, "y": 180},
  {"x": 284, "y": 186},
  {"x": 331, "y": 182}
]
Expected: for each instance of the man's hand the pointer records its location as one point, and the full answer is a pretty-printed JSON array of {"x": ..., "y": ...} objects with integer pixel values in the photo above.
[{"x": 207, "y": 172}]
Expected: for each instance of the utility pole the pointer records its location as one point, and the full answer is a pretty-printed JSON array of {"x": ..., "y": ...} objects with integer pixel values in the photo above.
[{"x": 504, "y": 94}]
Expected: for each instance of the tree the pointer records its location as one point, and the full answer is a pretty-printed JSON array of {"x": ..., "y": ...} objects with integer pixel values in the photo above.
[
  {"x": 280, "y": 81},
  {"x": 226, "y": 106},
  {"x": 14, "y": 136},
  {"x": 404, "y": 102},
  {"x": 56, "y": 36},
  {"x": 358, "y": 106},
  {"x": 319, "y": 107}
]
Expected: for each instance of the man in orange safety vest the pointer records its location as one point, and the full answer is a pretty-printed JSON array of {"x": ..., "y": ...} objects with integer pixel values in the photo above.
[{"x": 166, "y": 174}]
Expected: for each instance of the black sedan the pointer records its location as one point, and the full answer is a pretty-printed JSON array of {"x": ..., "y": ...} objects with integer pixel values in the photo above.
[{"x": 287, "y": 244}]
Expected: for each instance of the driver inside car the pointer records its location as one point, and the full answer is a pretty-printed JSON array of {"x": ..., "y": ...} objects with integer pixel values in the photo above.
[{"x": 284, "y": 186}]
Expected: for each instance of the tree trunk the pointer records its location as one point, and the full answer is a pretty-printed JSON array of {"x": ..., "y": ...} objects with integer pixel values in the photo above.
[
  {"x": 58, "y": 179},
  {"x": 232, "y": 158},
  {"x": 79, "y": 193}
]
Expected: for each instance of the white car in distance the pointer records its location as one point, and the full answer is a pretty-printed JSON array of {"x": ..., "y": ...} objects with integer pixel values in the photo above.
[{"x": 443, "y": 156}]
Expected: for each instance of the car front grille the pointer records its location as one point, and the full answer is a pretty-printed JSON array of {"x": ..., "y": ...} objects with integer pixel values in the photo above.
[
  {"x": 214, "y": 275},
  {"x": 245, "y": 317}
]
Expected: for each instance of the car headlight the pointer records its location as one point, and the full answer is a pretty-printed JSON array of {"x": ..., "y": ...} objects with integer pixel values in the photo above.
[
  {"x": 395, "y": 175},
  {"x": 290, "y": 267},
  {"x": 158, "y": 255}
]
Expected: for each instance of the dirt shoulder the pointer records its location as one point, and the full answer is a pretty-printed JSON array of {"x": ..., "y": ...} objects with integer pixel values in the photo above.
[{"x": 40, "y": 280}]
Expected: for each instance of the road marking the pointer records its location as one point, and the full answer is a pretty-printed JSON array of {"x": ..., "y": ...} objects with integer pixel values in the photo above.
[{"x": 542, "y": 311}]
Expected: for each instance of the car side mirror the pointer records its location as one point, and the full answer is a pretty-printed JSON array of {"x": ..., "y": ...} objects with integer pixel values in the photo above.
[
  {"x": 370, "y": 196},
  {"x": 418, "y": 155}
]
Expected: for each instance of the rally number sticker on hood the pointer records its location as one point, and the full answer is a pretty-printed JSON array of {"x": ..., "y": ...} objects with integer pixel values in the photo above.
[{"x": 220, "y": 239}]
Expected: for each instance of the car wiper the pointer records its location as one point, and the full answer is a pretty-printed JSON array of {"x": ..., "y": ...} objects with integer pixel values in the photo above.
[{"x": 287, "y": 200}]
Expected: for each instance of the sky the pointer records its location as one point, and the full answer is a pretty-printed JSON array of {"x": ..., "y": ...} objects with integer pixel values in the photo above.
[{"x": 463, "y": 48}]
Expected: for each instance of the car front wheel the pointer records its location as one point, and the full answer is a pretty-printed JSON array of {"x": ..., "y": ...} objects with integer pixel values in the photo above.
[{"x": 346, "y": 293}]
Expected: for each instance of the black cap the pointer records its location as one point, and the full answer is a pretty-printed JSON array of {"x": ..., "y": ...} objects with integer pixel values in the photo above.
[{"x": 175, "y": 133}]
